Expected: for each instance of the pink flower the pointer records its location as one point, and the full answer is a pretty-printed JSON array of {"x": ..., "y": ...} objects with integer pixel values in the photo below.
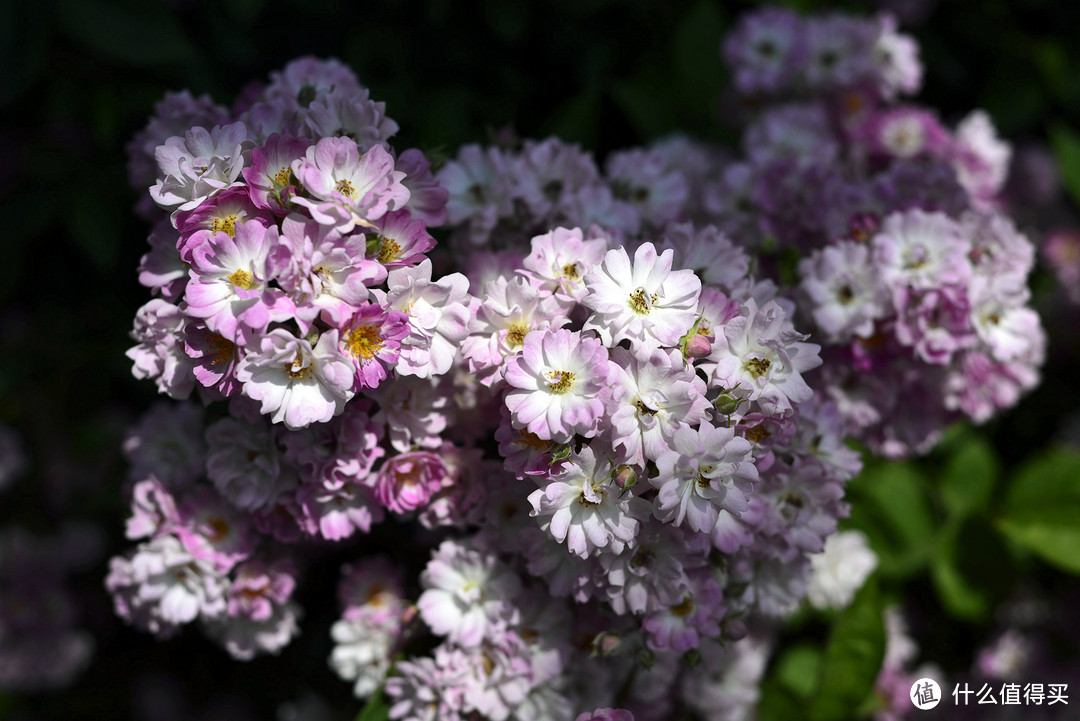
[
  {"x": 557, "y": 383},
  {"x": 296, "y": 383},
  {"x": 407, "y": 482},
  {"x": 348, "y": 189},
  {"x": 580, "y": 507},
  {"x": 645, "y": 302},
  {"x": 229, "y": 283},
  {"x": 271, "y": 183}
]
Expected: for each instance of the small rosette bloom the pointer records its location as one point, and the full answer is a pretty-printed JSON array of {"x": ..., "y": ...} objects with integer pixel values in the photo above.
[
  {"x": 438, "y": 318},
  {"x": 583, "y": 509},
  {"x": 645, "y": 302},
  {"x": 346, "y": 188},
  {"x": 510, "y": 310},
  {"x": 373, "y": 339},
  {"x": 557, "y": 383},
  {"x": 408, "y": 481},
  {"x": 651, "y": 397},
  {"x": 467, "y": 594},
  {"x": 706, "y": 471},
  {"x": 560, "y": 260},
  {"x": 296, "y": 383},
  {"x": 229, "y": 283},
  {"x": 199, "y": 164},
  {"x": 765, "y": 357}
]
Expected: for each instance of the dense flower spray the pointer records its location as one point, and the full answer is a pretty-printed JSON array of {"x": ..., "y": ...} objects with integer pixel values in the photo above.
[{"x": 608, "y": 425}]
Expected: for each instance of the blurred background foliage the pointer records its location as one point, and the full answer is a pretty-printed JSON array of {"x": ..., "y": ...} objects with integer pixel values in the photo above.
[{"x": 954, "y": 532}]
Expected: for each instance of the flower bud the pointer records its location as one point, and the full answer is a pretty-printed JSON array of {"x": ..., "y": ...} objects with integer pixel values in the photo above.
[
  {"x": 625, "y": 477},
  {"x": 698, "y": 347},
  {"x": 727, "y": 404},
  {"x": 735, "y": 629}
]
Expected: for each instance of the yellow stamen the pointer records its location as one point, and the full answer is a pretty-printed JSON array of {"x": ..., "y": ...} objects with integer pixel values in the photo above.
[
  {"x": 225, "y": 224},
  {"x": 515, "y": 335},
  {"x": 559, "y": 381},
  {"x": 684, "y": 608},
  {"x": 242, "y": 279},
  {"x": 346, "y": 188},
  {"x": 758, "y": 366},
  {"x": 364, "y": 341},
  {"x": 389, "y": 250}
]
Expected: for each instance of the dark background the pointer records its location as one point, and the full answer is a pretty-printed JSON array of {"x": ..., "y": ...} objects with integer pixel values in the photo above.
[{"x": 80, "y": 76}]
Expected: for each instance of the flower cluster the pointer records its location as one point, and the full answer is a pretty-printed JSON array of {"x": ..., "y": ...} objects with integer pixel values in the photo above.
[
  {"x": 606, "y": 471},
  {"x": 912, "y": 277},
  {"x": 500, "y": 197}
]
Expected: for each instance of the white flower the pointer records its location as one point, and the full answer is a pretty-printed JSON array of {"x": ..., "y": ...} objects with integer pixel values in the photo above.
[
  {"x": 707, "y": 470},
  {"x": 840, "y": 570},
  {"x": 652, "y": 396},
  {"x": 296, "y": 383},
  {"x": 581, "y": 508},
  {"x": 438, "y": 318},
  {"x": 361, "y": 654},
  {"x": 646, "y": 302},
  {"x": 764, "y": 356},
  {"x": 556, "y": 383},
  {"x": 199, "y": 164},
  {"x": 845, "y": 293},
  {"x": 468, "y": 594}
]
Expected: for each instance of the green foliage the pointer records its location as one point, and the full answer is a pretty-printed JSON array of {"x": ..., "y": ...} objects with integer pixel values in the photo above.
[
  {"x": 376, "y": 708},
  {"x": 131, "y": 33},
  {"x": 1041, "y": 511},
  {"x": 890, "y": 504},
  {"x": 852, "y": 658},
  {"x": 1066, "y": 145}
]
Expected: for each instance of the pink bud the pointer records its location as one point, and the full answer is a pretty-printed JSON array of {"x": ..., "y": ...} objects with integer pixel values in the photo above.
[{"x": 698, "y": 347}]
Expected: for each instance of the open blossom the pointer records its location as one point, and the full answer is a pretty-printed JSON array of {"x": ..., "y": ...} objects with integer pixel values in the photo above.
[
  {"x": 397, "y": 239},
  {"x": 557, "y": 383},
  {"x": 468, "y": 594},
  {"x": 199, "y": 164},
  {"x": 645, "y": 302},
  {"x": 840, "y": 570},
  {"x": 372, "y": 338},
  {"x": 229, "y": 283},
  {"x": 161, "y": 586},
  {"x": 509, "y": 311},
  {"x": 765, "y": 357},
  {"x": 438, "y": 318},
  {"x": 706, "y": 471},
  {"x": 346, "y": 188},
  {"x": 580, "y": 506},
  {"x": 296, "y": 383},
  {"x": 651, "y": 397},
  {"x": 270, "y": 180},
  {"x": 560, "y": 260},
  {"x": 921, "y": 250},
  {"x": 847, "y": 296},
  {"x": 324, "y": 272}
]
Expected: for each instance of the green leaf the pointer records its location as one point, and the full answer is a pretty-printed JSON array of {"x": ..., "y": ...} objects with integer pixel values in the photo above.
[
  {"x": 376, "y": 709},
  {"x": 970, "y": 568},
  {"x": 890, "y": 503},
  {"x": 1042, "y": 509},
  {"x": 696, "y": 64},
  {"x": 778, "y": 703},
  {"x": 798, "y": 670},
  {"x": 1067, "y": 149},
  {"x": 971, "y": 473},
  {"x": 139, "y": 34},
  {"x": 852, "y": 658}
]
